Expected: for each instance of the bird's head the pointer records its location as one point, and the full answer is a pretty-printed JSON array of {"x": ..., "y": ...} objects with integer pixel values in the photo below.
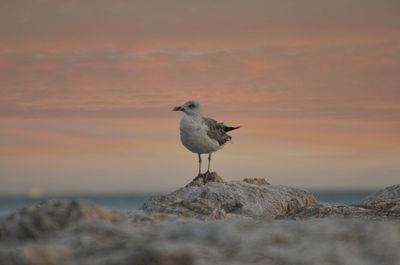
[{"x": 191, "y": 107}]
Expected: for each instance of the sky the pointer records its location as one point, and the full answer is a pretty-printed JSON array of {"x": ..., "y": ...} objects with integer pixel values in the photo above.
[{"x": 87, "y": 89}]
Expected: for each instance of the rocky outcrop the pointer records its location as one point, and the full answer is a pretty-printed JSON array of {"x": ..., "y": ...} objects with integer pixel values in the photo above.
[
  {"x": 382, "y": 205},
  {"x": 51, "y": 216},
  {"x": 388, "y": 195},
  {"x": 385, "y": 202},
  {"x": 220, "y": 200},
  {"x": 323, "y": 210},
  {"x": 327, "y": 241},
  {"x": 171, "y": 229},
  {"x": 256, "y": 181}
]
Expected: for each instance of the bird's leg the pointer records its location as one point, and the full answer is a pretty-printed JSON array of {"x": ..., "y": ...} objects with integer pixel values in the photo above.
[
  {"x": 209, "y": 162},
  {"x": 199, "y": 164}
]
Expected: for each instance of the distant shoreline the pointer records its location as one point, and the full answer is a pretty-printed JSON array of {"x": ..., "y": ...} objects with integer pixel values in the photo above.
[{"x": 130, "y": 202}]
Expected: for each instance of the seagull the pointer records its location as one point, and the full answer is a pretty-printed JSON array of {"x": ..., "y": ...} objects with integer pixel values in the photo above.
[{"x": 199, "y": 134}]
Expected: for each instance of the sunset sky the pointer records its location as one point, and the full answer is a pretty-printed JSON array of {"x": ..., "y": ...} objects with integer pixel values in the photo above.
[{"x": 87, "y": 89}]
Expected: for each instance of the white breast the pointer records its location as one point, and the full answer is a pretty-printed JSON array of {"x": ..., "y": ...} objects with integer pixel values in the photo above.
[{"x": 194, "y": 136}]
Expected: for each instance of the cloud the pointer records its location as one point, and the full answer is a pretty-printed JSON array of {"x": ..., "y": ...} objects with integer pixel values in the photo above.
[
  {"x": 224, "y": 19},
  {"x": 87, "y": 87},
  {"x": 308, "y": 81}
]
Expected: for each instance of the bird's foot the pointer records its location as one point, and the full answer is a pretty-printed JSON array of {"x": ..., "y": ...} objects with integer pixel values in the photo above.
[{"x": 204, "y": 178}]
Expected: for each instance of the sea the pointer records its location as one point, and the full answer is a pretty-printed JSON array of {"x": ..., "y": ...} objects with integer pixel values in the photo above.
[{"x": 130, "y": 202}]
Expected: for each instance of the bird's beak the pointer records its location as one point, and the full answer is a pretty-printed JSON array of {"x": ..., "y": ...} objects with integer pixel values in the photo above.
[{"x": 177, "y": 108}]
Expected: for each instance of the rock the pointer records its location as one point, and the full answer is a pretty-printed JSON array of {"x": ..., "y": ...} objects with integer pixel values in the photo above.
[
  {"x": 256, "y": 181},
  {"x": 40, "y": 220},
  {"x": 385, "y": 202},
  {"x": 72, "y": 232},
  {"x": 326, "y": 241},
  {"x": 323, "y": 210},
  {"x": 382, "y": 205},
  {"x": 219, "y": 200},
  {"x": 143, "y": 217},
  {"x": 205, "y": 178},
  {"x": 390, "y": 194},
  {"x": 35, "y": 254}
]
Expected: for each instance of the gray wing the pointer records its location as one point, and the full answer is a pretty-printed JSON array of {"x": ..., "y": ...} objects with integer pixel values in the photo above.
[{"x": 217, "y": 130}]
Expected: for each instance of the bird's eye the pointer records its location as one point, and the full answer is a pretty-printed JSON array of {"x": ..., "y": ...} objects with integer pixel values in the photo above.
[{"x": 192, "y": 106}]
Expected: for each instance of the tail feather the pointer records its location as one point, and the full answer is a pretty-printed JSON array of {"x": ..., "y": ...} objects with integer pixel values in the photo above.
[{"x": 228, "y": 129}]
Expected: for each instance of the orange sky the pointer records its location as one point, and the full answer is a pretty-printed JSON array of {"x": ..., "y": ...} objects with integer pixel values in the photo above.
[{"x": 87, "y": 88}]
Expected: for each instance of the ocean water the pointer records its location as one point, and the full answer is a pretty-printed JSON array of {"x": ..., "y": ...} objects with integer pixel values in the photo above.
[
  {"x": 129, "y": 202},
  {"x": 122, "y": 202},
  {"x": 342, "y": 196}
]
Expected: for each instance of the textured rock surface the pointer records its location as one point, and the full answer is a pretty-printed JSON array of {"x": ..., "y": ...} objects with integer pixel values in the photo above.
[
  {"x": 219, "y": 200},
  {"x": 326, "y": 241},
  {"x": 39, "y": 220},
  {"x": 323, "y": 210},
  {"x": 388, "y": 195},
  {"x": 385, "y": 202},
  {"x": 79, "y": 233},
  {"x": 256, "y": 181},
  {"x": 382, "y": 205}
]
